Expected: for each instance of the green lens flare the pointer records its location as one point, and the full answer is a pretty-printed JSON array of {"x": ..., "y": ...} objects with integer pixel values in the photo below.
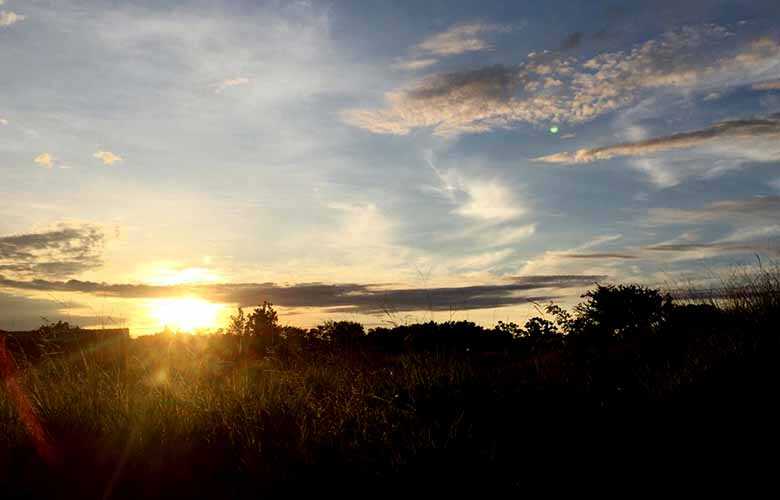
[{"x": 554, "y": 129}]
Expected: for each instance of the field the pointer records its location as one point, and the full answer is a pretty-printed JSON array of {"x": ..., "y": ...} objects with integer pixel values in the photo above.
[{"x": 269, "y": 410}]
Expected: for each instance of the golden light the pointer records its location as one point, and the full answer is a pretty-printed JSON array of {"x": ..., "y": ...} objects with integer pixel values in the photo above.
[
  {"x": 164, "y": 275},
  {"x": 185, "y": 314}
]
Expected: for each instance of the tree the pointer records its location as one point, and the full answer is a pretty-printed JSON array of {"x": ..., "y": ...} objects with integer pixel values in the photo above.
[
  {"x": 510, "y": 329},
  {"x": 238, "y": 324},
  {"x": 53, "y": 329},
  {"x": 341, "y": 333},
  {"x": 540, "y": 327},
  {"x": 263, "y": 322},
  {"x": 621, "y": 310}
]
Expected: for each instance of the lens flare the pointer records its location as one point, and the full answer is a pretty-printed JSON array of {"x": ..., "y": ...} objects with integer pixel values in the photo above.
[{"x": 185, "y": 314}]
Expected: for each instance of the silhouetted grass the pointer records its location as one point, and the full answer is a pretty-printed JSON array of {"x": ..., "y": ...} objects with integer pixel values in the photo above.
[{"x": 449, "y": 406}]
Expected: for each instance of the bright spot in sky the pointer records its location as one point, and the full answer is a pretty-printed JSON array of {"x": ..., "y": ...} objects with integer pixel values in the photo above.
[
  {"x": 554, "y": 129},
  {"x": 185, "y": 314},
  {"x": 173, "y": 276}
]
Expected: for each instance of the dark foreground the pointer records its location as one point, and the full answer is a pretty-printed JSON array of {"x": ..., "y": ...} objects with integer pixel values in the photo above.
[{"x": 627, "y": 385}]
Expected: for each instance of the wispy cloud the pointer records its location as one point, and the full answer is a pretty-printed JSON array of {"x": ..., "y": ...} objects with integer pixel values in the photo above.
[
  {"x": 760, "y": 208},
  {"x": 450, "y": 104},
  {"x": 476, "y": 198},
  {"x": 7, "y": 18},
  {"x": 44, "y": 160},
  {"x": 107, "y": 157},
  {"x": 602, "y": 255},
  {"x": 703, "y": 250},
  {"x": 775, "y": 85},
  {"x": 220, "y": 87},
  {"x": 415, "y": 64},
  {"x": 508, "y": 236},
  {"x": 488, "y": 200},
  {"x": 725, "y": 131},
  {"x": 560, "y": 261},
  {"x": 65, "y": 250},
  {"x": 459, "y": 39},
  {"x": 752, "y": 222}
]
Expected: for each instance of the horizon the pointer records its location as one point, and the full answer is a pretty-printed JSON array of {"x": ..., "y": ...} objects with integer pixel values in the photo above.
[{"x": 164, "y": 163}]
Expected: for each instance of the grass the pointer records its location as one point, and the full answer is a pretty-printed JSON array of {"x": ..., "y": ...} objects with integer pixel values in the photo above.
[{"x": 190, "y": 418}]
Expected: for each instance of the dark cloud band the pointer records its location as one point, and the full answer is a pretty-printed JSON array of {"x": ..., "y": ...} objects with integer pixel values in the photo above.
[{"x": 342, "y": 297}]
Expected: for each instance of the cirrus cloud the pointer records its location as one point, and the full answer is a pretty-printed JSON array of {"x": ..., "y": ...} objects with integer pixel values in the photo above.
[
  {"x": 459, "y": 39},
  {"x": 230, "y": 82},
  {"x": 64, "y": 250},
  {"x": 7, "y": 18},
  {"x": 767, "y": 85},
  {"x": 733, "y": 130},
  {"x": 107, "y": 157},
  {"x": 44, "y": 160}
]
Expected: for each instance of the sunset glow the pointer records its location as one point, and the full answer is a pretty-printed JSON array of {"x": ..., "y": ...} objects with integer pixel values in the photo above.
[
  {"x": 346, "y": 158},
  {"x": 185, "y": 314}
]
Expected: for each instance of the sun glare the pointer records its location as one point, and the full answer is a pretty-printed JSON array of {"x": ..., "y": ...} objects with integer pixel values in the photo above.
[
  {"x": 174, "y": 276},
  {"x": 185, "y": 314}
]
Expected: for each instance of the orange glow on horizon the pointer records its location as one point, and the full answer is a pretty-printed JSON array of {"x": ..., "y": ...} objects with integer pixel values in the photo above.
[{"x": 185, "y": 314}]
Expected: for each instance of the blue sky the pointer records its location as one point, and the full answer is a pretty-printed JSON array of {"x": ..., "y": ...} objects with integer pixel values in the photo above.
[{"x": 374, "y": 160}]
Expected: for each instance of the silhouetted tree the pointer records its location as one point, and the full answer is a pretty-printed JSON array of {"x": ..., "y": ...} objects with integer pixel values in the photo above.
[
  {"x": 52, "y": 329},
  {"x": 264, "y": 322},
  {"x": 341, "y": 333},
  {"x": 510, "y": 329},
  {"x": 621, "y": 310},
  {"x": 540, "y": 327},
  {"x": 238, "y": 324}
]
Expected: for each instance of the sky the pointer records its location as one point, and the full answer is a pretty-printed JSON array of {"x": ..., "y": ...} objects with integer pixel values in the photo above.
[{"x": 164, "y": 162}]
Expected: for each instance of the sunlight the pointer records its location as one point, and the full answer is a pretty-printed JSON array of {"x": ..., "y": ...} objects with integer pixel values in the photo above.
[
  {"x": 185, "y": 314},
  {"x": 167, "y": 275}
]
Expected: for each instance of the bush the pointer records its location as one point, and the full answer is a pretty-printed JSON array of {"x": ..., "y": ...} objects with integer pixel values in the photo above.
[{"x": 621, "y": 310}]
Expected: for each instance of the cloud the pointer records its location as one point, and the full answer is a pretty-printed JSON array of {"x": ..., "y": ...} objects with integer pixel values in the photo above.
[
  {"x": 508, "y": 236},
  {"x": 716, "y": 248},
  {"x": 230, "y": 82},
  {"x": 107, "y": 157},
  {"x": 482, "y": 261},
  {"x": 363, "y": 228},
  {"x": 459, "y": 39},
  {"x": 734, "y": 130},
  {"x": 8, "y": 18},
  {"x": 767, "y": 85},
  {"x": 753, "y": 222},
  {"x": 572, "y": 41},
  {"x": 65, "y": 250},
  {"x": 415, "y": 64},
  {"x": 488, "y": 200},
  {"x": 562, "y": 261},
  {"x": 484, "y": 199},
  {"x": 606, "y": 255},
  {"x": 551, "y": 88},
  {"x": 44, "y": 160},
  {"x": 18, "y": 312},
  {"x": 758, "y": 208},
  {"x": 449, "y": 103},
  {"x": 369, "y": 299}
]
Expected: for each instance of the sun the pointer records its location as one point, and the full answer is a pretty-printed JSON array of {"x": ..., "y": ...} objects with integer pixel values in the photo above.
[{"x": 185, "y": 314}]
